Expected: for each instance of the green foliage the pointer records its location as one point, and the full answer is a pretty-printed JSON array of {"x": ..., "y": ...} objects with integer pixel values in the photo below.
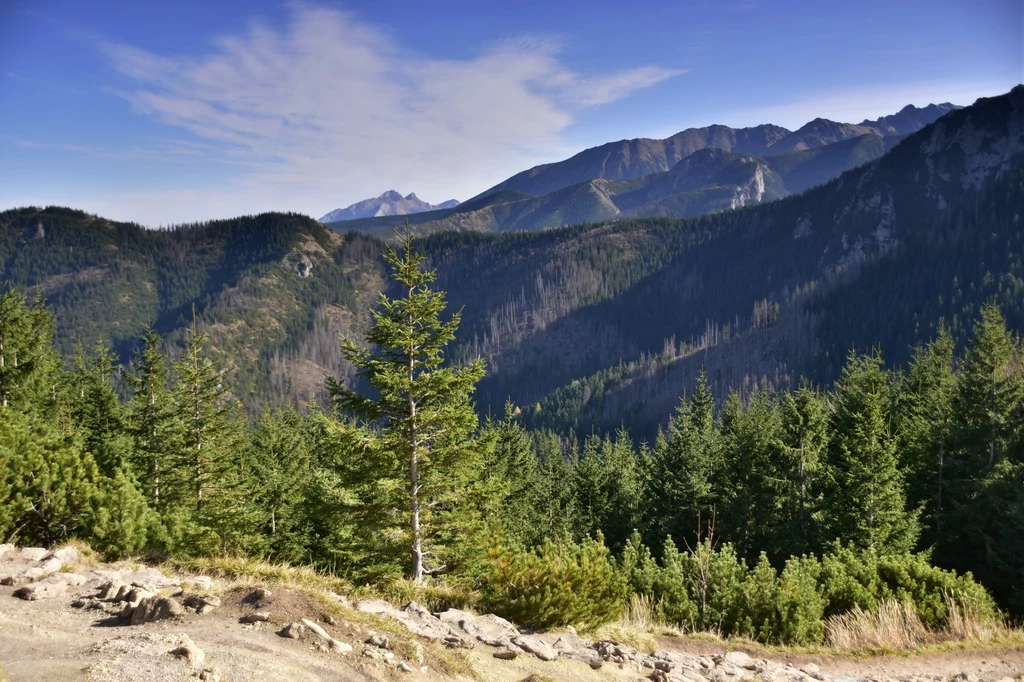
[
  {"x": 555, "y": 585},
  {"x": 419, "y": 411}
]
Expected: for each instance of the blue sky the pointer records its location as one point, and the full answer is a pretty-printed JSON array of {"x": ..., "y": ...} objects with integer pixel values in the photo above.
[{"x": 189, "y": 110}]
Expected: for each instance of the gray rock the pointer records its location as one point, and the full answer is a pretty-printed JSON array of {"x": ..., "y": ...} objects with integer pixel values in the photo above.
[
  {"x": 73, "y": 579},
  {"x": 259, "y": 594},
  {"x": 199, "y": 582},
  {"x": 46, "y": 568},
  {"x": 5, "y": 549},
  {"x": 419, "y": 621},
  {"x": 66, "y": 555},
  {"x": 585, "y": 655},
  {"x": 379, "y": 641},
  {"x": 256, "y": 617},
  {"x": 12, "y": 580},
  {"x": 403, "y": 666},
  {"x": 136, "y": 595},
  {"x": 293, "y": 631},
  {"x": 316, "y": 629},
  {"x": 190, "y": 652},
  {"x": 339, "y": 647},
  {"x": 46, "y": 589},
  {"x": 155, "y": 608},
  {"x": 209, "y": 675},
  {"x": 202, "y": 603},
  {"x": 32, "y": 553},
  {"x": 506, "y": 653},
  {"x": 535, "y": 646},
  {"x": 739, "y": 659}
]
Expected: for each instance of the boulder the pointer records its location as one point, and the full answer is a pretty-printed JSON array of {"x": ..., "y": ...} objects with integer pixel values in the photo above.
[
  {"x": 588, "y": 656},
  {"x": 66, "y": 555},
  {"x": 537, "y": 647},
  {"x": 12, "y": 580},
  {"x": 292, "y": 631},
  {"x": 32, "y": 553},
  {"x": 506, "y": 653},
  {"x": 135, "y": 596},
  {"x": 738, "y": 659},
  {"x": 46, "y": 589},
  {"x": 151, "y": 579},
  {"x": 202, "y": 603},
  {"x": 72, "y": 579},
  {"x": 379, "y": 641},
  {"x": 339, "y": 647},
  {"x": 419, "y": 621},
  {"x": 46, "y": 568},
  {"x": 155, "y": 608},
  {"x": 256, "y": 617},
  {"x": 189, "y": 651}
]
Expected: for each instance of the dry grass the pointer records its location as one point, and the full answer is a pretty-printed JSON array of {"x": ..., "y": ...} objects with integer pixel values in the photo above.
[
  {"x": 244, "y": 571},
  {"x": 639, "y": 623},
  {"x": 896, "y": 627}
]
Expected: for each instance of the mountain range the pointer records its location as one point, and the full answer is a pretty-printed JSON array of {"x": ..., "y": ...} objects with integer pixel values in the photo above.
[
  {"x": 391, "y": 203},
  {"x": 696, "y": 171},
  {"x": 596, "y": 325}
]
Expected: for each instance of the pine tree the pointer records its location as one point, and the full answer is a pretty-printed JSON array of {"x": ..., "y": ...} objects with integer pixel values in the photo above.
[
  {"x": 97, "y": 410},
  {"x": 151, "y": 415},
  {"x": 866, "y": 503},
  {"x": 209, "y": 483},
  {"x": 422, "y": 409},
  {"x": 513, "y": 462},
  {"x": 687, "y": 465},
  {"x": 925, "y": 411},
  {"x": 30, "y": 376},
  {"x": 804, "y": 446}
]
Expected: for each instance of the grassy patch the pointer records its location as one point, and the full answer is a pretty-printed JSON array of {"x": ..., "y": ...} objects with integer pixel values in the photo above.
[{"x": 251, "y": 571}]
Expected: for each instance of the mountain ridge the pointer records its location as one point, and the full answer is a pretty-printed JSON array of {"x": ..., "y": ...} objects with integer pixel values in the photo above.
[{"x": 389, "y": 203}]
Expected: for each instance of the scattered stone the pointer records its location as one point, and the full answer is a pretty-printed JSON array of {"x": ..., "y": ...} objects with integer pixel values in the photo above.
[
  {"x": 202, "y": 603},
  {"x": 155, "y": 608},
  {"x": 209, "y": 675},
  {"x": 537, "y": 647},
  {"x": 966, "y": 677},
  {"x": 588, "y": 656},
  {"x": 293, "y": 631},
  {"x": 32, "y": 554},
  {"x": 379, "y": 641},
  {"x": 405, "y": 667},
  {"x": 73, "y": 579},
  {"x": 189, "y": 651},
  {"x": 66, "y": 555},
  {"x": 568, "y": 642},
  {"x": 738, "y": 659},
  {"x": 506, "y": 653},
  {"x": 257, "y": 617},
  {"x": 46, "y": 568},
  {"x": 151, "y": 579},
  {"x": 370, "y": 652},
  {"x": 135, "y": 596},
  {"x": 339, "y": 647},
  {"x": 330, "y": 620},
  {"x": 419, "y": 621},
  {"x": 11, "y": 580},
  {"x": 810, "y": 669},
  {"x": 259, "y": 594},
  {"x": 316, "y": 629},
  {"x": 46, "y": 589},
  {"x": 495, "y": 640},
  {"x": 6, "y": 548}
]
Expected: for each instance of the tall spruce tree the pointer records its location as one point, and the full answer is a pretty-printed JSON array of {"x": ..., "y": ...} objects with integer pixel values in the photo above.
[
  {"x": 804, "y": 446},
  {"x": 867, "y": 502},
  {"x": 151, "y": 419},
  {"x": 209, "y": 475},
  {"x": 422, "y": 409}
]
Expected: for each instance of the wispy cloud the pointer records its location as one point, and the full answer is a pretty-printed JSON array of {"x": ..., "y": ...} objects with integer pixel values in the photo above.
[{"x": 330, "y": 109}]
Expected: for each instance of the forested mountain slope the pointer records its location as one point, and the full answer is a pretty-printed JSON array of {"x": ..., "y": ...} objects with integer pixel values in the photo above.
[{"x": 760, "y": 295}]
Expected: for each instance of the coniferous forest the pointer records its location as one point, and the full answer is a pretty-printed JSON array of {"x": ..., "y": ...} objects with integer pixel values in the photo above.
[{"x": 757, "y": 515}]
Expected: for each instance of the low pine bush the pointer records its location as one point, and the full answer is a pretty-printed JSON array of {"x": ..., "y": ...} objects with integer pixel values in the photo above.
[{"x": 555, "y": 585}]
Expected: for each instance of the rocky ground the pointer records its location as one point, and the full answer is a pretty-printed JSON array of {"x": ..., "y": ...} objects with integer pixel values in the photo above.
[{"x": 64, "y": 619}]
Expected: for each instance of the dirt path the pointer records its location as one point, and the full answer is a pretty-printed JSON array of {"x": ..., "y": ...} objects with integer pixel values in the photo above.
[
  {"x": 986, "y": 665},
  {"x": 73, "y": 637}
]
